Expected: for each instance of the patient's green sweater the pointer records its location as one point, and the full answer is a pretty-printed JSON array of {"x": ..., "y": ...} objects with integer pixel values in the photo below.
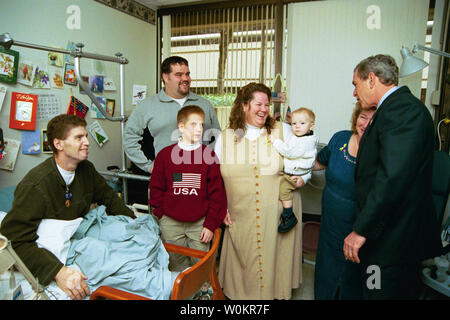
[{"x": 42, "y": 195}]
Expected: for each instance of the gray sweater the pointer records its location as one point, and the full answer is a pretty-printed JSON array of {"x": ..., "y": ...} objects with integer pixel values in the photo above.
[{"x": 158, "y": 113}]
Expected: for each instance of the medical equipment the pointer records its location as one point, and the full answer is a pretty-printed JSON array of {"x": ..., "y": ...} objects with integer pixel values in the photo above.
[{"x": 10, "y": 260}]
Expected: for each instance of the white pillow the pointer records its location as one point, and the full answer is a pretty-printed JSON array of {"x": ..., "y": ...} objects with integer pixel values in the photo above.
[
  {"x": 2, "y": 216},
  {"x": 54, "y": 235}
]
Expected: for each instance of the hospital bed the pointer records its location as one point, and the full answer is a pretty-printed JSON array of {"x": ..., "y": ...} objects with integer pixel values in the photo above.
[{"x": 185, "y": 284}]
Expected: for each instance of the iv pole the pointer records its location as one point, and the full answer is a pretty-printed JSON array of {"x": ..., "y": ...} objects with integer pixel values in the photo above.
[
  {"x": 9, "y": 258},
  {"x": 6, "y": 41}
]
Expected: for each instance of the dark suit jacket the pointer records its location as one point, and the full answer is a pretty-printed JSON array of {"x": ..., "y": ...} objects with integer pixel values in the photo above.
[{"x": 394, "y": 206}]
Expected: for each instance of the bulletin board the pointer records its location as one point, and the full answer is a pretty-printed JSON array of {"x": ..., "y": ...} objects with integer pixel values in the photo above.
[{"x": 45, "y": 74}]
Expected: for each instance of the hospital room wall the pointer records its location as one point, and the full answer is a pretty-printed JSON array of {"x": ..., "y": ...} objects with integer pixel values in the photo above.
[
  {"x": 327, "y": 39},
  {"x": 103, "y": 30}
]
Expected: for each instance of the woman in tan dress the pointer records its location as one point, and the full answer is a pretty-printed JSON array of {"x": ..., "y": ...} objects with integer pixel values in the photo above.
[{"x": 256, "y": 261}]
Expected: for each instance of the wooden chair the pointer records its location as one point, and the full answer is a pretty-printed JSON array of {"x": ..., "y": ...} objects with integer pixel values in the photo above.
[
  {"x": 310, "y": 239},
  {"x": 187, "y": 282}
]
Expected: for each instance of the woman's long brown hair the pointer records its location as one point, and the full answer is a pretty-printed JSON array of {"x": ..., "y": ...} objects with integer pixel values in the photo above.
[{"x": 244, "y": 96}]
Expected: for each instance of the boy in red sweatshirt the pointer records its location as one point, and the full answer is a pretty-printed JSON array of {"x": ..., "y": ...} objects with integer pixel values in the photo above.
[{"x": 187, "y": 193}]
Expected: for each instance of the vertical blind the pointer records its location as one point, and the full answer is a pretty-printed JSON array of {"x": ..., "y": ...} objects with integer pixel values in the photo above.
[{"x": 226, "y": 48}]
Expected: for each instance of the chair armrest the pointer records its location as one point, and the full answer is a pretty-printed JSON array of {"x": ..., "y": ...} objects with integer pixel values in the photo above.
[
  {"x": 194, "y": 253},
  {"x": 114, "y": 294}
]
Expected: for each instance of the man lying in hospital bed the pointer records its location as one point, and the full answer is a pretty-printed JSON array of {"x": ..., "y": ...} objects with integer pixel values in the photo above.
[
  {"x": 116, "y": 251},
  {"x": 59, "y": 192}
]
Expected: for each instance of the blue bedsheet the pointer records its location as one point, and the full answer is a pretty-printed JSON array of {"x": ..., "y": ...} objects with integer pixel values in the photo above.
[
  {"x": 123, "y": 253},
  {"x": 6, "y": 198}
]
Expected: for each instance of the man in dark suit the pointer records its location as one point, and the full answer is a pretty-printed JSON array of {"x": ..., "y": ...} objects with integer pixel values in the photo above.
[{"x": 396, "y": 225}]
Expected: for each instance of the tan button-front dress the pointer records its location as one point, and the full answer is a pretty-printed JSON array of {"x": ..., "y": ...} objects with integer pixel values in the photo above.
[{"x": 256, "y": 261}]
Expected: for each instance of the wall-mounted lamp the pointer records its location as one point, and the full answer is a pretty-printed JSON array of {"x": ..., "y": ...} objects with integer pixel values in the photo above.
[
  {"x": 412, "y": 64},
  {"x": 6, "y": 41}
]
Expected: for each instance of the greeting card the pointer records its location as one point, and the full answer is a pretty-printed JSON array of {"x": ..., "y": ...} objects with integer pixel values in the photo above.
[
  {"x": 69, "y": 74},
  {"x": 31, "y": 142},
  {"x": 96, "y": 84},
  {"x": 3, "y": 90},
  {"x": 41, "y": 78},
  {"x": 95, "y": 113},
  {"x": 56, "y": 78},
  {"x": 55, "y": 59},
  {"x": 27, "y": 70},
  {"x": 23, "y": 111},
  {"x": 99, "y": 67},
  {"x": 70, "y": 47},
  {"x": 9, "y": 63},
  {"x": 9, "y": 155},
  {"x": 97, "y": 133},
  {"x": 108, "y": 84},
  {"x": 139, "y": 93}
]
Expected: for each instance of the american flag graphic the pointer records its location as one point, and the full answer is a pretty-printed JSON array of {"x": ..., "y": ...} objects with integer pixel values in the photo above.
[
  {"x": 76, "y": 107},
  {"x": 187, "y": 180}
]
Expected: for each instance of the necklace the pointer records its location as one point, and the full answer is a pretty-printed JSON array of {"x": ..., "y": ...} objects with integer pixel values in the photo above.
[
  {"x": 346, "y": 154},
  {"x": 68, "y": 196},
  {"x": 67, "y": 177}
]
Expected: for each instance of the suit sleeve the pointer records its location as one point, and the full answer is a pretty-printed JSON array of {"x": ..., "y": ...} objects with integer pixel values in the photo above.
[{"x": 401, "y": 141}]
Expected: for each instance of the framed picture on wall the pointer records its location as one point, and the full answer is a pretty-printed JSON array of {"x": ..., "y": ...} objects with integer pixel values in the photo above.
[
  {"x": 9, "y": 63},
  {"x": 69, "y": 74},
  {"x": 110, "y": 106},
  {"x": 85, "y": 80},
  {"x": 45, "y": 147}
]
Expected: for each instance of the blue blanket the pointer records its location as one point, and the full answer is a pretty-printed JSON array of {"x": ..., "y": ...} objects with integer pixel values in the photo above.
[{"x": 123, "y": 253}]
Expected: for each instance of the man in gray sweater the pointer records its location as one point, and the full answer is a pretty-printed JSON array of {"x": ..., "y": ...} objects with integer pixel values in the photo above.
[{"x": 158, "y": 113}]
